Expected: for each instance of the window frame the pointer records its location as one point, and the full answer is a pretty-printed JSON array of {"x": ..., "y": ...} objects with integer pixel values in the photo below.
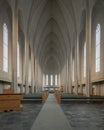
[
  {"x": 5, "y": 48},
  {"x": 97, "y": 47}
]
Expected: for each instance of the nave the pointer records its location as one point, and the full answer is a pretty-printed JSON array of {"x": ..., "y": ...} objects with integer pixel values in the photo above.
[{"x": 49, "y": 46}]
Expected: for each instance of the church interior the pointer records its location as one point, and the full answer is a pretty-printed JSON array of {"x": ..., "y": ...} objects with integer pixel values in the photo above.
[{"x": 51, "y": 65}]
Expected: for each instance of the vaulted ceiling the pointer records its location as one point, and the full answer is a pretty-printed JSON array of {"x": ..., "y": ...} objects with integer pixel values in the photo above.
[{"x": 50, "y": 26}]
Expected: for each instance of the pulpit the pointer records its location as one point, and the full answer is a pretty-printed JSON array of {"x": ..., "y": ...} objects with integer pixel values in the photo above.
[{"x": 10, "y": 100}]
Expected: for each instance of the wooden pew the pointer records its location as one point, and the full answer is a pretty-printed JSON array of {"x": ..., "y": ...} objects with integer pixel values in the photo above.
[
  {"x": 70, "y": 98},
  {"x": 44, "y": 96},
  {"x": 10, "y": 101},
  {"x": 35, "y": 98}
]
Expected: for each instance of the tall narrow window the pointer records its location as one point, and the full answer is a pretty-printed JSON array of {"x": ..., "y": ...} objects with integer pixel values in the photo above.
[
  {"x": 56, "y": 79},
  {"x": 73, "y": 72},
  {"x": 46, "y": 79},
  {"x": 18, "y": 60},
  {"x": 51, "y": 80},
  {"x": 5, "y": 47},
  {"x": 97, "y": 48},
  {"x": 85, "y": 59}
]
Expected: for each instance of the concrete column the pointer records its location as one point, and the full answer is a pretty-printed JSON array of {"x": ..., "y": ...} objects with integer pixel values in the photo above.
[
  {"x": 14, "y": 49},
  {"x": 53, "y": 79},
  {"x": 59, "y": 82},
  {"x": 88, "y": 48},
  {"x": 76, "y": 64},
  {"x": 36, "y": 75},
  {"x": 26, "y": 65},
  {"x": 67, "y": 75},
  {"x": 44, "y": 79},
  {"x": 70, "y": 71},
  {"x": 39, "y": 79},
  {"x": 32, "y": 72},
  {"x": 49, "y": 79},
  {"x": 78, "y": 71},
  {"x": 81, "y": 88},
  {"x": 21, "y": 88},
  {"x": 23, "y": 70}
]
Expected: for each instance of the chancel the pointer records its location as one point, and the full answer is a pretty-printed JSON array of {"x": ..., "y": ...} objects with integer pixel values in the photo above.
[{"x": 51, "y": 65}]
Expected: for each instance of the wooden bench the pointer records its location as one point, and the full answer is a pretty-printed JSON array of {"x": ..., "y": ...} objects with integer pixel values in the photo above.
[{"x": 10, "y": 101}]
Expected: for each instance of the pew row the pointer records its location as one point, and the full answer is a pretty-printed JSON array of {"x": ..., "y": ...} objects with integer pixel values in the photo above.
[
  {"x": 10, "y": 100},
  {"x": 71, "y": 98},
  {"x": 35, "y": 98}
]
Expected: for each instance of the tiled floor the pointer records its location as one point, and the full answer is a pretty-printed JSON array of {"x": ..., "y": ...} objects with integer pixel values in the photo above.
[
  {"x": 85, "y": 116},
  {"x": 20, "y": 120}
]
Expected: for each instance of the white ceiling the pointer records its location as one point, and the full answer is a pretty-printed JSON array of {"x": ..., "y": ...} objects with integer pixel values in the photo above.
[{"x": 51, "y": 26}]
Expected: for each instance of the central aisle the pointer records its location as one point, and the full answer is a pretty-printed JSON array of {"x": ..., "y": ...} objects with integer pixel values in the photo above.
[{"x": 51, "y": 117}]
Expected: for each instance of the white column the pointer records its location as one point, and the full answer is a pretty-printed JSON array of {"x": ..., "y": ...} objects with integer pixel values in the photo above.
[
  {"x": 81, "y": 88},
  {"x": 70, "y": 71},
  {"x": 23, "y": 70},
  {"x": 88, "y": 47},
  {"x": 36, "y": 75},
  {"x": 59, "y": 82},
  {"x": 39, "y": 78},
  {"x": 78, "y": 71},
  {"x": 67, "y": 75},
  {"x": 54, "y": 79},
  {"x": 32, "y": 71},
  {"x": 14, "y": 49},
  {"x": 26, "y": 65},
  {"x": 49, "y": 79},
  {"x": 76, "y": 64}
]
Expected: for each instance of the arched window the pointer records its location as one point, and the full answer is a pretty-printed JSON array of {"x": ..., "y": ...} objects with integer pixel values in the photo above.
[
  {"x": 85, "y": 59},
  {"x": 73, "y": 72},
  {"x": 97, "y": 49},
  {"x": 18, "y": 60},
  {"x": 56, "y": 79},
  {"x": 5, "y": 47},
  {"x": 51, "y": 80},
  {"x": 46, "y": 79}
]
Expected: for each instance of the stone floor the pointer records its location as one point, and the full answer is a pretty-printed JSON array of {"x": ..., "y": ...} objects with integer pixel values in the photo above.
[
  {"x": 20, "y": 120},
  {"x": 85, "y": 116},
  {"x": 51, "y": 117},
  {"x": 80, "y": 117}
]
